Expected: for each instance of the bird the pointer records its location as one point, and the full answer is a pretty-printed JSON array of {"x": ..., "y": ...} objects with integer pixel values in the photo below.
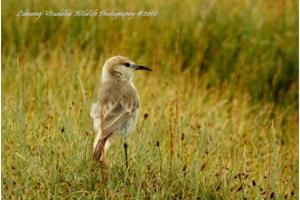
[{"x": 116, "y": 110}]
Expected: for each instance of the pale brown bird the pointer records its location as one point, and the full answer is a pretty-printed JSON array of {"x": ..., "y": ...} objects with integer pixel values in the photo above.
[{"x": 116, "y": 110}]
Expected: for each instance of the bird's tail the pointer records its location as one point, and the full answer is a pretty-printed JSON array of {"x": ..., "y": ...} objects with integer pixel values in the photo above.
[{"x": 98, "y": 153}]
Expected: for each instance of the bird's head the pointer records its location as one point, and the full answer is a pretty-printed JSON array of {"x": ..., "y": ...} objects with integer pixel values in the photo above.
[{"x": 119, "y": 67}]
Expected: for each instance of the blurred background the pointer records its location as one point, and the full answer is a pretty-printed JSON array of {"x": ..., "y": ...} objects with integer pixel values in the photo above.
[
  {"x": 222, "y": 121},
  {"x": 249, "y": 46}
]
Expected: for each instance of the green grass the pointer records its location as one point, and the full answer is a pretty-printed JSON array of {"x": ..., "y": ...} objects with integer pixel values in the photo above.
[{"x": 222, "y": 120}]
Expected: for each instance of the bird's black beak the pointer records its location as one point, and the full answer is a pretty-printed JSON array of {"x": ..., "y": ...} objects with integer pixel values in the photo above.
[{"x": 141, "y": 67}]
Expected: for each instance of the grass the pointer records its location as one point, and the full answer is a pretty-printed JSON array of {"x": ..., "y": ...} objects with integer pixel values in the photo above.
[{"x": 221, "y": 123}]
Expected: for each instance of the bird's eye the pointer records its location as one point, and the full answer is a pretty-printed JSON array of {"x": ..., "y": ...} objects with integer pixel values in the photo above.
[{"x": 127, "y": 64}]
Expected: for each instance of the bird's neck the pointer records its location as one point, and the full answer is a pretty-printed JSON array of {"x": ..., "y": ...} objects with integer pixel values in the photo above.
[
  {"x": 117, "y": 77},
  {"x": 121, "y": 79}
]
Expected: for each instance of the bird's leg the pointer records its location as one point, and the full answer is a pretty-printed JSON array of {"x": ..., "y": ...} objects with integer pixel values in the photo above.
[{"x": 126, "y": 155}]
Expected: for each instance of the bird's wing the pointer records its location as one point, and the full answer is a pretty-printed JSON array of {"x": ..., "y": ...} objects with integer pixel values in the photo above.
[
  {"x": 113, "y": 116},
  {"x": 116, "y": 106}
]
